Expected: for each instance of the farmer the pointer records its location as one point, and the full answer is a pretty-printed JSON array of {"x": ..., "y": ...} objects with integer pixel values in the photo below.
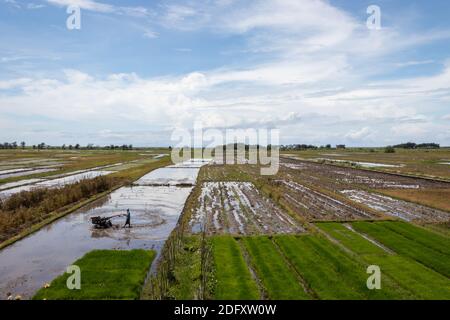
[{"x": 128, "y": 222}]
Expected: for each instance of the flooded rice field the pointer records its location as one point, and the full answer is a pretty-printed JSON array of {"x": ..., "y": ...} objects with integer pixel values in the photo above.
[
  {"x": 53, "y": 183},
  {"x": 365, "y": 164},
  {"x": 239, "y": 208},
  {"x": 169, "y": 176},
  {"x": 397, "y": 208},
  {"x": 184, "y": 173},
  {"x": 316, "y": 206},
  {"x": 355, "y": 185},
  {"x": 24, "y": 172},
  {"x": 341, "y": 178},
  {"x": 19, "y": 183},
  {"x": 30, "y": 263}
]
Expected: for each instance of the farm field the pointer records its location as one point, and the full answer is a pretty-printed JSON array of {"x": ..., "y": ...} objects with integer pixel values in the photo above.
[
  {"x": 313, "y": 267},
  {"x": 238, "y": 208},
  {"x": 222, "y": 231},
  {"x": 106, "y": 274},
  {"x": 427, "y": 249},
  {"x": 421, "y": 281},
  {"x": 420, "y": 162},
  {"x": 234, "y": 279}
]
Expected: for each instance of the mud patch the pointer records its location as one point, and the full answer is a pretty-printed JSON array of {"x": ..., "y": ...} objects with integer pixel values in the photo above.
[
  {"x": 239, "y": 208},
  {"x": 316, "y": 206},
  {"x": 397, "y": 208}
]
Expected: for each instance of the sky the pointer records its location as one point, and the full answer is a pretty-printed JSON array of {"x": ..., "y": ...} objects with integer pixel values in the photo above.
[{"x": 138, "y": 70}]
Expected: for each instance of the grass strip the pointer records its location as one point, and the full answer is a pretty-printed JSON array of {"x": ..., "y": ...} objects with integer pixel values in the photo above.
[
  {"x": 105, "y": 274},
  {"x": 404, "y": 246},
  {"x": 330, "y": 272},
  {"x": 422, "y": 282},
  {"x": 233, "y": 278},
  {"x": 277, "y": 278}
]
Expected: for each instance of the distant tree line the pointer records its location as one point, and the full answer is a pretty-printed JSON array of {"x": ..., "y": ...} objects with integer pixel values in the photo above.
[
  {"x": 12, "y": 145},
  {"x": 77, "y": 146},
  {"x": 412, "y": 145},
  {"x": 309, "y": 147}
]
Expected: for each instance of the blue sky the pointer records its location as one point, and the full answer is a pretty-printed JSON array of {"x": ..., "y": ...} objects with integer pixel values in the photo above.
[{"x": 136, "y": 70}]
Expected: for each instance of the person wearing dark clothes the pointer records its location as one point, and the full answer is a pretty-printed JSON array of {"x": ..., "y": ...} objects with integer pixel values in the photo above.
[{"x": 128, "y": 222}]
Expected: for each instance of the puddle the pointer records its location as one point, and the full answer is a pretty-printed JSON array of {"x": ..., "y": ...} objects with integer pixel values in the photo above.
[
  {"x": 365, "y": 164},
  {"x": 30, "y": 263},
  {"x": 192, "y": 163},
  {"x": 169, "y": 176},
  {"x": 19, "y": 183},
  {"x": 2, "y": 172},
  {"x": 160, "y": 156},
  {"x": 72, "y": 179}
]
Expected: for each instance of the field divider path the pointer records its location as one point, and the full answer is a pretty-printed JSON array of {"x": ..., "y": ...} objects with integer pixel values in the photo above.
[
  {"x": 246, "y": 256},
  {"x": 371, "y": 240}
]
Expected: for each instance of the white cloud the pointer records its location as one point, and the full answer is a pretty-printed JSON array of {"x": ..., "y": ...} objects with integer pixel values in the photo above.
[
  {"x": 313, "y": 84},
  {"x": 358, "y": 135},
  {"x": 33, "y": 6},
  {"x": 413, "y": 63}
]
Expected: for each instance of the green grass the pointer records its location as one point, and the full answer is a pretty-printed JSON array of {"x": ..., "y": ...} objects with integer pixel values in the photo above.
[
  {"x": 330, "y": 272},
  {"x": 427, "y": 238},
  {"x": 412, "y": 246},
  {"x": 105, "y": 274},
  {"x": 234, "y": 280},
  {"x": 279, "y": 281},
  {"x": 422, "y": 282}
]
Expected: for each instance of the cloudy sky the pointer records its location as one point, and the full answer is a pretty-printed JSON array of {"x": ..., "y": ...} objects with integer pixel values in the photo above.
[{"x": 136, "y": 70}]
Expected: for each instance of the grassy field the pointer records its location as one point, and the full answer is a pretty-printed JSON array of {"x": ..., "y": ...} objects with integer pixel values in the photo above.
[
  {"x": 419, "y": 281},
  {"x": 105, "y": 274},
  {"x": 233, "y": 278},
  {"x": 330, "y": 272},
  {"x": 423, "y": 246},
  {"x": 279, "y": 281}
]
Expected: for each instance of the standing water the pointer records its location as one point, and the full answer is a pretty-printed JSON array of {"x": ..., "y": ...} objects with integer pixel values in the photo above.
[{"x": 35, "y": 260}]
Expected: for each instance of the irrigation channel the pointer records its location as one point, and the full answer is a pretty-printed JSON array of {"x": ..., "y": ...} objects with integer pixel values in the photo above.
[{"x": 155, "y": 201}]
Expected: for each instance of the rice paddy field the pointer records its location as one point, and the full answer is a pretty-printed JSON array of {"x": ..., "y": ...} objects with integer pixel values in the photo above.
[{"x": 203, "y": 229}]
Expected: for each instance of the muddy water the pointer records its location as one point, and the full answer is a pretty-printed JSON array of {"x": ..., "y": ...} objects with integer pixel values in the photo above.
[
  {"x": 28, "y": 264},
  {"x": 155, "y": 209}
]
